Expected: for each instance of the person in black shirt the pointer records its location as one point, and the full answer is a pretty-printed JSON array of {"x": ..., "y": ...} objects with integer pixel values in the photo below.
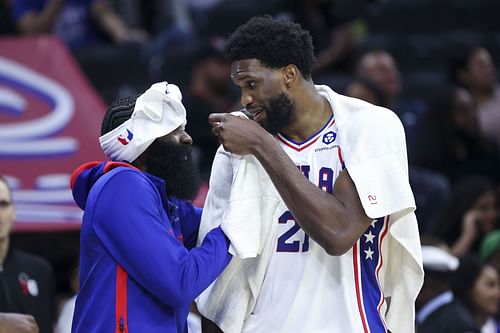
[{"x": 26, "y": 281}]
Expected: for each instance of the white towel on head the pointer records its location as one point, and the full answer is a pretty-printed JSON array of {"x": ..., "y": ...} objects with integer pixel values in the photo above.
[{"x": 157, "y": 112}]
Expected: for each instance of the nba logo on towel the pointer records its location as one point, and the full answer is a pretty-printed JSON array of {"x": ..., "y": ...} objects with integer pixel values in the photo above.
[
  {"x": 329, "y": 137},
  {"x": 124, "y": 140}
]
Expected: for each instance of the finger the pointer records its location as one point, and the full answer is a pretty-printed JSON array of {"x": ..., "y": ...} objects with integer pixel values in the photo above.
[
  {"x": 216, "y": 118},
  {"x": 216, "y": 130},
  {"x": 216, "y": 124}
]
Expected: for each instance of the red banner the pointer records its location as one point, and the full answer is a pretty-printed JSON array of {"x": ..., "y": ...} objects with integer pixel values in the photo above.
[{"x": 50, "y": 119}]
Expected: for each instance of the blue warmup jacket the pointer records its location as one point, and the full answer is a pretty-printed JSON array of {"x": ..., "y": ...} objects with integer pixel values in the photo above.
[{"x": 135, "y": 274}]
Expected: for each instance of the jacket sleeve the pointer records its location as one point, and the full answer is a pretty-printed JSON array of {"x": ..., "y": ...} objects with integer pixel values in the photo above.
[
  {"x": 190, "y": 222},
  {"x": 130, "y": 222}
]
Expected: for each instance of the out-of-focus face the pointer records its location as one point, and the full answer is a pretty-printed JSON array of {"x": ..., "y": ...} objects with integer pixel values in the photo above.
[
  {"x": 481, "y": 72},
  {"x": 358, "y": 90},
  {"x": 263, "y": 94},
  {"x": 486, "y": 204},
  {"x": 382, "y": 68},
  {"x": 464, "y": 115},
  {"x": 485, "y": 294},
  {"x": 7, "y": 213},
  {"x": 210, "y": 78}
]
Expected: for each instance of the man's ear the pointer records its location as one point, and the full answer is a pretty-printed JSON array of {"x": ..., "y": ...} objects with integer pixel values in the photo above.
[{"x": 290, "y": 74}]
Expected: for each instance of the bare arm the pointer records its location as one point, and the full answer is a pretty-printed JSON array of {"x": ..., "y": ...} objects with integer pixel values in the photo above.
[
  {"x": 342, "y": 43},
  {"x": 16, "y": 322},
  {"x": 113, "y": 24},
  {"x": 334, "y": 220},
  {"x": 43, "y": 22},
  {"x": 469, "y": 234}
]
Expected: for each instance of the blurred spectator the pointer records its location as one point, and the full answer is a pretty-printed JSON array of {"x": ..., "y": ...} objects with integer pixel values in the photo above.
[
  {"x": 167, "y": 21},
  {"x": 477, "y": 286},
  {"x": 469, "y": 216},
  {"x": 473, "y": 68},
  {"x": 489, "y": 250},
  {"x": 367, "y": 90},
  {"x": 17, "y": 323},
  {"x": 382, "y": 68},
  {"x": 211, "y": 90},
  {"x": 432, "y": 192},
  {"x": 73, "y": 21},
  {"x": 27, "y": 281},
  {"x": 330, "y": 23},
  {"x": 65, "y": 319},
  {"x": 452, "y": 143},
  {"x": 437, "y": 309},
  {"x": 6, "y": 25}
]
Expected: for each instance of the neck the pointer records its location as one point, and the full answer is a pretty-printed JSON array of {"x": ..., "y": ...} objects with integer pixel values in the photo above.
[
  {"x": 4, "y": 247},
  {"x": 311, "y": 113},
  {"x": 480, "y": 318},
  {"x": 481, "y": 95}
]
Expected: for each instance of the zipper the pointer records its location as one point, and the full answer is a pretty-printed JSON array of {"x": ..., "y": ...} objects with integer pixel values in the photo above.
[{"x": 121, "y": 325}]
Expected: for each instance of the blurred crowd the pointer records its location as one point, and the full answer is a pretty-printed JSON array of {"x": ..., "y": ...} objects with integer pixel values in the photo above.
[{"x": 434, "y": 65}]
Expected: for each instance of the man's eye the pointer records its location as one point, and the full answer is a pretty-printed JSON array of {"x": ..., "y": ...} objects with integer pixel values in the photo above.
[{"x": 251, "y": 84}]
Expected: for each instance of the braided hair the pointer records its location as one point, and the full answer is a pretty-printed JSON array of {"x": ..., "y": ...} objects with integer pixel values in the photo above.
[{"x": 118, "y": 112}]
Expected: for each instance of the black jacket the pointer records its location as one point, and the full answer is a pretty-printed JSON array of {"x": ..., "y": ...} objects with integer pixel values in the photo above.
[
  {"x": 450, "y": 318},
  {"x": 27, "y": 286}
]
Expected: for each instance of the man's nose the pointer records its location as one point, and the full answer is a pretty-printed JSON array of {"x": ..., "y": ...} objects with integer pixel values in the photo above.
[
  {"x": 186, "y": 139},
  {"x": 246, "y": 99}
]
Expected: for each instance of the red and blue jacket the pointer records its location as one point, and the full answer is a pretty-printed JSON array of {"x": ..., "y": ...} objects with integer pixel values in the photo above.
[{"x": 139, "y": 267}]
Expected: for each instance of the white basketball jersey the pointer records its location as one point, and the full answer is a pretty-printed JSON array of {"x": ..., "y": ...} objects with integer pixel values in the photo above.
[{"x": 305, "y": 290}]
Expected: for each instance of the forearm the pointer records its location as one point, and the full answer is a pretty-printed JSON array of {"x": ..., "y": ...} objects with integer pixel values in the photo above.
[
  {"x": 110, "y": 21},
  {"x": 462, "y": 245},
  {"x": 43, "y": 22},
  {"x": 330, "y": 219}
]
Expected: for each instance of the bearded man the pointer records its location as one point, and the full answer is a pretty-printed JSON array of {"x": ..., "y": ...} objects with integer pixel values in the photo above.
[{"x": 139, "y": 267}]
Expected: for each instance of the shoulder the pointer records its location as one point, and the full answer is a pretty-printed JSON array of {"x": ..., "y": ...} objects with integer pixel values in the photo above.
[
  {"x": 458, "y": 311},
  {"x": 364, "y": 113},
  {"x": 32, "y": 261},
  {"x": 123, "y": 179},
  {"x": 354, "y": 112},
  {"x": 123, "y": 185}
]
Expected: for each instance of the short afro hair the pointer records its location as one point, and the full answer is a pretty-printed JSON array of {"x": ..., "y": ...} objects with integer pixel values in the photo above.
[
  {"x": 118, "y": 112},
  {"x": 275, "y": 43}
]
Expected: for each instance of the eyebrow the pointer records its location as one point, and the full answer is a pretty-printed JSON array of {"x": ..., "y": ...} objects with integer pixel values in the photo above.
[{"x": 240, "y": 75}]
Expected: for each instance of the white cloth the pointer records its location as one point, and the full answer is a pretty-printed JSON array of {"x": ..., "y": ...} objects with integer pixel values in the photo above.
[
  {"x": 242, "y": 196},
  {"x": 157, "y": 112},
  {"x": 66, "y": 317},
  {"x": 489, "y": 116},
  {"x": 375, "y": 156},
  {"x": 373, "y": 146}
]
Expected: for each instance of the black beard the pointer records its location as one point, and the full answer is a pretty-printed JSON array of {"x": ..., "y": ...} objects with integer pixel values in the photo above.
[
  {"x": 278, "y": 113},
  {"x": 172, "y": 162}
]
